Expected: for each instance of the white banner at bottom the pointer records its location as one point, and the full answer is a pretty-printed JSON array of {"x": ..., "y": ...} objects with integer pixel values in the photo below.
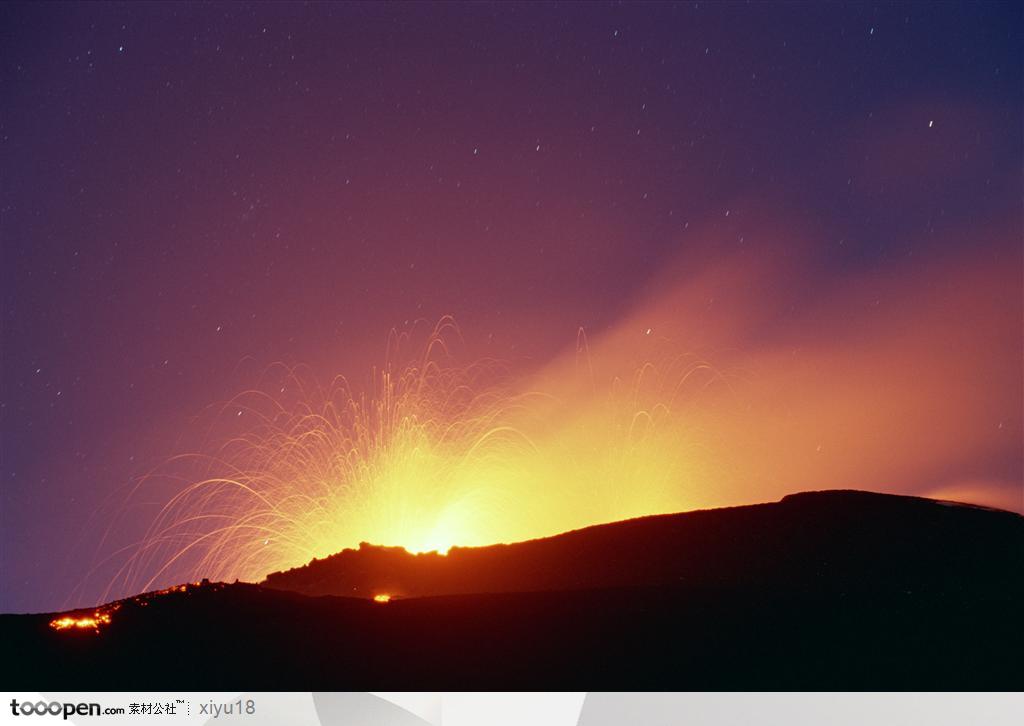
[{"x": 512, "y": 709}]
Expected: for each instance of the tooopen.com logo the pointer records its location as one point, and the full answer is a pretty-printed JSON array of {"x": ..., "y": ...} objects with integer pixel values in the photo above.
[{"x": 56, "y": 708}]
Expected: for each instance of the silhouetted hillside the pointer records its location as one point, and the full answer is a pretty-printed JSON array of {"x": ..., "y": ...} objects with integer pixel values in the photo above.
[
  {"x": 837, "y": 591},
  {"x": 815, "y": 539}
]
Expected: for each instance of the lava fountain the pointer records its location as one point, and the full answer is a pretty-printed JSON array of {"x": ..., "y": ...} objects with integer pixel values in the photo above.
[{"x": 431, "y": 456}]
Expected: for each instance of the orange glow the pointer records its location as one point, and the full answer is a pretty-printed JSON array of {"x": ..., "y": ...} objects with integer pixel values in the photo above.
[
  {"x": 437, "y": 455},
  {"x": 688, "y": 403},
  {"x": 84, "y": 622},
  {"x": 382, "y": 598}
]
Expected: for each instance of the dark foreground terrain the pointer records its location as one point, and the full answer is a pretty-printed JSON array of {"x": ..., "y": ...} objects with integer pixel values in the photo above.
[{"x": 830, "y": 590}]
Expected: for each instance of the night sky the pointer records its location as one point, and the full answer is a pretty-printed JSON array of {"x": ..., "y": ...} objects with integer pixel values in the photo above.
[{"x": 193, "y": 192}]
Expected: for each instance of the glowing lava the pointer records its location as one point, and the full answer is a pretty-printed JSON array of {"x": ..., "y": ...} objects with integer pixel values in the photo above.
[
  {"x": 434, "y": 455},
  {"x": 92, "y": 621},
  {"x": 382, "y": 598}
]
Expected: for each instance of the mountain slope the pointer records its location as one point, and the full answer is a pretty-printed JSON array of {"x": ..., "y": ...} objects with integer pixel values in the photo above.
[
  {"x": 814, "y": 539},
  {"x": 833, "y": 591}
]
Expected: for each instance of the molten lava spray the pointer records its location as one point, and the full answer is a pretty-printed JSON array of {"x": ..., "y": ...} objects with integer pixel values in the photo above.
[{"x": 433, "y": 455}]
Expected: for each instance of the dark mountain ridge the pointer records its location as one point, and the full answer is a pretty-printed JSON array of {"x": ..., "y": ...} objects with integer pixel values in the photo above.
[
  {"x": 831, "y": 590},
  {"x": 809, "y": 539}
]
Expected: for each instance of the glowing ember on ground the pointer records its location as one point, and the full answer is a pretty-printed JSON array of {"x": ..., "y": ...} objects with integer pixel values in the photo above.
[
  {"x": 83, "y": 622},
  {"x": 382, "y": 598}
]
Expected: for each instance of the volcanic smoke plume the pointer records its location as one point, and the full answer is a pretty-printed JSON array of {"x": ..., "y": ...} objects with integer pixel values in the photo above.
[{"x": 713, "y": 391}]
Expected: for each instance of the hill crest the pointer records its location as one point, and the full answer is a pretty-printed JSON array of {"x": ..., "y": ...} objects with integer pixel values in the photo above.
[{"x": 796, "y": 540}]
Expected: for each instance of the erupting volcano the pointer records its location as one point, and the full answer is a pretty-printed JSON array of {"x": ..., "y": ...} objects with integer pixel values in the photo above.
[
  {"x": 545, "y": 345},
  {"x": 434, "y": 455}
]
